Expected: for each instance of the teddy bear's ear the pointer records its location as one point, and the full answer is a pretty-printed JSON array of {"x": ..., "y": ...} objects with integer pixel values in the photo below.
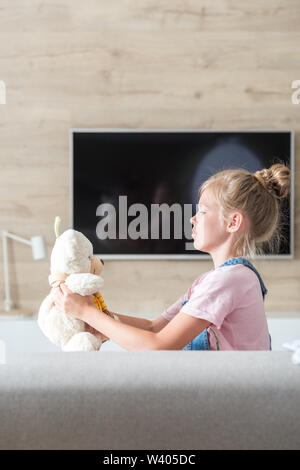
[{"x": 56, "y": 225}]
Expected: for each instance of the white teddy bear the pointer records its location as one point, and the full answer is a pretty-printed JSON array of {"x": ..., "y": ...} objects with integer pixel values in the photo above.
[{"x": 72, "y": 262}]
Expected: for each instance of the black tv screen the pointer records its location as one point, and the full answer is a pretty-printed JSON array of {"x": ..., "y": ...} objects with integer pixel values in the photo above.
[{"x": 133, "y": 191}]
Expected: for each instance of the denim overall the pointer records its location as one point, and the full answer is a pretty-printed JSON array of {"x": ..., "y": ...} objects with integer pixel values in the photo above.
[{"x": 201, "y": 341}]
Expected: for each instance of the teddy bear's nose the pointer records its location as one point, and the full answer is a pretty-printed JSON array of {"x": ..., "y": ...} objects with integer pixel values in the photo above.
[{"x": 102, "y": 261}]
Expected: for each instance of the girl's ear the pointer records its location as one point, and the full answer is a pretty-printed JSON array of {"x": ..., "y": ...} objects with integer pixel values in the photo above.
[{"x": 236, "y": 221}]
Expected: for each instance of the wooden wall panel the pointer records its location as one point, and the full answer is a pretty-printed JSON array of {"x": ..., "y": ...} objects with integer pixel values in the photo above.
[{"x": 147, "y": 64}]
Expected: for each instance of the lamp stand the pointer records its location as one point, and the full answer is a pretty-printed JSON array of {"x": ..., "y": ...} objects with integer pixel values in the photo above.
[{"x": 38, "y": 250}]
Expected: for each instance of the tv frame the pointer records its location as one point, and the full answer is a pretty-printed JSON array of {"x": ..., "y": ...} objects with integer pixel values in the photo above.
[{"x": 184, "y": 257}]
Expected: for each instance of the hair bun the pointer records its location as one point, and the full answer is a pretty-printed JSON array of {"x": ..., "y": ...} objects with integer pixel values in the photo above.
[{"x": 276, "y": 180}]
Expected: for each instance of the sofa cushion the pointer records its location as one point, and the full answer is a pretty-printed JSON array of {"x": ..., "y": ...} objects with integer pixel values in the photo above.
[{"x": 150, "y": 400}]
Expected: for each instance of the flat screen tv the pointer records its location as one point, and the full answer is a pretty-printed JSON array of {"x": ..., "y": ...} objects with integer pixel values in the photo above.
[{"x": 133, "y": 192}]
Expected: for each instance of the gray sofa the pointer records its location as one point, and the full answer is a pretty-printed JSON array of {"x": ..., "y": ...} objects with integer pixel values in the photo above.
[{"x": 150, "y": 400}]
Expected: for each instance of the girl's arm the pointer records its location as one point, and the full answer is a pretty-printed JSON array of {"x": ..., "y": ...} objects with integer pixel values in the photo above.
[
  {"x": 127, "y": 336},
  {"x": 175, "y": 335},
  {"x": 151, "y": 325},
  {"x": 141, "y": 323}
]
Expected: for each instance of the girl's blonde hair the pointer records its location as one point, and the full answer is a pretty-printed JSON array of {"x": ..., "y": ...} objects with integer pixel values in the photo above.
[{"x": 258, "y": 197}]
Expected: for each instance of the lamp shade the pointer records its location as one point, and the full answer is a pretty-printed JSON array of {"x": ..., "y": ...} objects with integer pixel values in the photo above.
[{"x": 38, "y": 247}]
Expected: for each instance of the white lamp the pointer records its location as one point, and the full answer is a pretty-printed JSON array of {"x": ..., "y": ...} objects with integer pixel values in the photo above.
[{"x": 38, "y": 252}]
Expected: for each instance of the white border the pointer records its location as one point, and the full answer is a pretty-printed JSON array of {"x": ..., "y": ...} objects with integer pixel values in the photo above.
[{"x": 185, "y": 257}]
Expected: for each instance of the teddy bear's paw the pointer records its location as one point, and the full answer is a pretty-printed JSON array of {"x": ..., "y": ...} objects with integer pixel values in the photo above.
[
  {"x": 84, "y": 283},
  {"x": 59, "y": 328},
  {"x": 44, "y": 310},
  {"x": 83, "y": 342}
]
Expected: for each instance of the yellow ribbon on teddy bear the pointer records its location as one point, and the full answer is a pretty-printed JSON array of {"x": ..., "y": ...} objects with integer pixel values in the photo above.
[{"x": 99, "y": 302}]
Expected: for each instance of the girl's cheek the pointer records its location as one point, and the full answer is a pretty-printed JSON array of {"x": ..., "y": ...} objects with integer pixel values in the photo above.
[{"x": 199, "y": 219}]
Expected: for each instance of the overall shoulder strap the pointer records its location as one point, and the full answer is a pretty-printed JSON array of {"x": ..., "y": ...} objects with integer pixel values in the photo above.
[{"x": 247, "y": 263}]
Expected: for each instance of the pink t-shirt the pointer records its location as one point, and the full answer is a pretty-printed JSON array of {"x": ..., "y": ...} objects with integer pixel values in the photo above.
[{"x": 230, "y": 298}]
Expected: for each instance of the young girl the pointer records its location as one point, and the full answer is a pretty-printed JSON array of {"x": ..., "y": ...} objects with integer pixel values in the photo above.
[{"x": 224, "y": 307}]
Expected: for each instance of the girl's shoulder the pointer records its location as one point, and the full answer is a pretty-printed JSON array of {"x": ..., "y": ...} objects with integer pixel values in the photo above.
[
  {"x": 200, "y": 278},
  {"x": 235, "y": 274}
]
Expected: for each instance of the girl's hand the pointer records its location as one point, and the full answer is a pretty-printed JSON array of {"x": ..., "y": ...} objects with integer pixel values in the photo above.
[{"x": 69, "y": 303}]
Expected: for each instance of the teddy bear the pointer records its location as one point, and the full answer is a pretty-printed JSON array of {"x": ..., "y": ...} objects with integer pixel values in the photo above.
[{"x": 72, "y": 262}]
